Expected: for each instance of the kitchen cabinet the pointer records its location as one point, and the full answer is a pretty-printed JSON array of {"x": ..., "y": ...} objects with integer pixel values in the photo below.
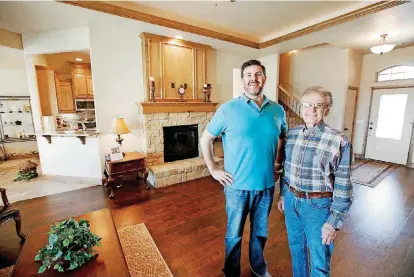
[
  {"x": 82, "y": 80},
  {"x": 65, "y": 96}
]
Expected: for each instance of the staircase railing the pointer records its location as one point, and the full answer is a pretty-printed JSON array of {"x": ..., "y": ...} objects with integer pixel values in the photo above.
[{"x": 291, "y": 104}]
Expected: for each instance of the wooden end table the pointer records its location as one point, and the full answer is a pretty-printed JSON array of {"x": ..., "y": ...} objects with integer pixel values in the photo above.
[{"x": 132, "y": 163}]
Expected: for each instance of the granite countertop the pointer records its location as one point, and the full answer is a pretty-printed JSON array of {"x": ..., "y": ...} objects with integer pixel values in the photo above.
[{"x": 91, "y": 133}]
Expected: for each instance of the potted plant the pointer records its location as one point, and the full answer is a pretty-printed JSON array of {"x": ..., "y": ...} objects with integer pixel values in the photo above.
[{"x": 70, "y": 246}]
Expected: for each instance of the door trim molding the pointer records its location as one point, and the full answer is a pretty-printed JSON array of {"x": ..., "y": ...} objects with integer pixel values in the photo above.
[
  {"x": 391, "y": 87},
  {"x": 355, "y": 109}
]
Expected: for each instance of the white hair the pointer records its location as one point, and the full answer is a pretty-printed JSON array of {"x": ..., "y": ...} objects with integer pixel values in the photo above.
[{"x": 321, "y": 91}]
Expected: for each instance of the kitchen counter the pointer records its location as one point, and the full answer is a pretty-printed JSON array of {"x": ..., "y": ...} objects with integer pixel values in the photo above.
[{"x": 79, "y": 134}]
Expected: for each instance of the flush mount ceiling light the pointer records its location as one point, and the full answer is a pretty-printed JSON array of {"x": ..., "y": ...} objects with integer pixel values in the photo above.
[
  {"x": 78, "y": 59},
  {"x": 381, "y": 46}
]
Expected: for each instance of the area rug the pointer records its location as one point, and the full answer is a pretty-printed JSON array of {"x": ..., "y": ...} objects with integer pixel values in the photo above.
[
  {"x": 41, "y": 186},
  {"x": 371, "y": 173},
  {"x": 141, "y": 254}
]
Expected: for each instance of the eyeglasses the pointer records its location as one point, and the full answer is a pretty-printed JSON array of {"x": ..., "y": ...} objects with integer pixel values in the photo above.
[{"x": 318, "y": 106}]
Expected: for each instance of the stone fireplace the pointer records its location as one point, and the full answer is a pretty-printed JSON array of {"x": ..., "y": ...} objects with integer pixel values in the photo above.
[{"x": 183, "y": 168}]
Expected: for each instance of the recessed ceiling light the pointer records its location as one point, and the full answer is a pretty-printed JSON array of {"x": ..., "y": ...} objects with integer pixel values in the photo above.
[
  {"x": 79, "y": 59},
  {"x": 179, "y": 37}
]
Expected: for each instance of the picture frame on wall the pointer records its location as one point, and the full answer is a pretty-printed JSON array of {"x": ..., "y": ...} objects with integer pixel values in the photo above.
[{"x": 116, "y": 153}]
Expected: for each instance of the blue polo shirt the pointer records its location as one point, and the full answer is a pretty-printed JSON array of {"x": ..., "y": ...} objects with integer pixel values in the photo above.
[{"x": 250, "y": 136}]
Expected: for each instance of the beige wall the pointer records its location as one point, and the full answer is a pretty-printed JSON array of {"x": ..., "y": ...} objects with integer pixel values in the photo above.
[
  {"x": 354, "y": 68},
  {"x": 323, "y": 65},
  {"x": 370, "y": 66}
]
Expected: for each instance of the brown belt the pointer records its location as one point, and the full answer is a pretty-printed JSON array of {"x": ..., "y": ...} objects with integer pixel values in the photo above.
[{"x": 302, "y": 194}]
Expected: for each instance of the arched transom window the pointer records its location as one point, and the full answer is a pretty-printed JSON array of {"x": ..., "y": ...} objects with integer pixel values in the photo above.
[{"x": 398, "y": 72}]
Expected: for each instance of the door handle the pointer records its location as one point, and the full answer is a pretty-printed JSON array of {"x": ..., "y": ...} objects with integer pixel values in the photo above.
[{"x": 346, "y": 129}]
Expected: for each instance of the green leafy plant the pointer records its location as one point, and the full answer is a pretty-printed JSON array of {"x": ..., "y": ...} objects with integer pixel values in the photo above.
[
  {"x": 26, "y": 176},
  {"x": 70, "y": 246}
]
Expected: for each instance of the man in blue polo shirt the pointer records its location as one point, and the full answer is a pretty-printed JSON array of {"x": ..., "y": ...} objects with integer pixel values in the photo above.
[{"x": 253, "y": 129}]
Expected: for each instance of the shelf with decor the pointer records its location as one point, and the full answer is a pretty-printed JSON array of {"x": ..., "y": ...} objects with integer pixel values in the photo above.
[{"x": 17, "y": 122}]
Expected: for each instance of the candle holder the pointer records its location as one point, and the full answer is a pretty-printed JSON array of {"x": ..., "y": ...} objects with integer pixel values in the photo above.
[
  {"x": 207, "y": 92},
  {"x": 152, "y": 89}
]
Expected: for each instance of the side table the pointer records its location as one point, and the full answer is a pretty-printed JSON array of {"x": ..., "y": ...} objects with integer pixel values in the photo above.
[{"x": 132, "y": 163}]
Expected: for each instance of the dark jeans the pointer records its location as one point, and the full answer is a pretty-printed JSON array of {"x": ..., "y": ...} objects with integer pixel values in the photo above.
[
  {"x": 304, "y": 220},
  {"x": 239, "y": 203}
]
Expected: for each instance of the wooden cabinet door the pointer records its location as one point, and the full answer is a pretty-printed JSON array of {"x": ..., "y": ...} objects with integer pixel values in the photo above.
[
  {"x": 65, "y": 97},
  {"x": 82, "y": 81},
  {"x": 89, "y": 82},
  {"x": 178, "y": 69},
  {"x": 46, "y": 87}
]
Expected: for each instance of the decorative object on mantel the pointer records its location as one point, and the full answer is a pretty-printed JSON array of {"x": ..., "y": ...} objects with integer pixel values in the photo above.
[
  {"x": 207, "y": 92},
  {"x": 119, "y": 128},
  {"x": 152, "y": 89},
  {"x": 27, "y": 171},
  {"x": 181, "y": 92}
]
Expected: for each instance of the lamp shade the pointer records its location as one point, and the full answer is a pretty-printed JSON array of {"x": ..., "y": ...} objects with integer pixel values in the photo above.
[
  {"x": 383, "y": 48},
  {"x": 119, "y": 127}
]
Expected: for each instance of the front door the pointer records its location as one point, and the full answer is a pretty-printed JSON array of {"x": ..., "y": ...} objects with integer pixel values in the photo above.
[{"x": 390, "y": 125}]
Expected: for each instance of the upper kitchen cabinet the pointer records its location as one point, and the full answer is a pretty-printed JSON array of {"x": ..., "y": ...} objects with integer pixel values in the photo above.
[
  {"x": 64, "y": 96},
  {"x": 174, "y": 63},
  {"x": 82, "y": 80},
  {"x": 55, "y": 95}
]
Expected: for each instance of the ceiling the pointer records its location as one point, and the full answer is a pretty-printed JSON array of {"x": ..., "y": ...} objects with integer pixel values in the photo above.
[
  {"x": 256, "y": 19},
  {"x": 245, "y": 18},
  {"x": 60, "y": 61},
  {"x": 362, "y": 33}
]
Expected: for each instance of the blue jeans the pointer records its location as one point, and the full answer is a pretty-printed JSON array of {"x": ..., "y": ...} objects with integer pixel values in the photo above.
[
  {"x": 304, "y": 220},
  {"x": 239, "y": 203}
]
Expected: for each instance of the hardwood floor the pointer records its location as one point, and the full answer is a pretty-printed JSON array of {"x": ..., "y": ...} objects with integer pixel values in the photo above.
[{"x": 187, "y": 222}]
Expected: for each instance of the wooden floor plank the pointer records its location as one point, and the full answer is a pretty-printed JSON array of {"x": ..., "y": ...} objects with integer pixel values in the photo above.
[{"x": 188, "y": 221}]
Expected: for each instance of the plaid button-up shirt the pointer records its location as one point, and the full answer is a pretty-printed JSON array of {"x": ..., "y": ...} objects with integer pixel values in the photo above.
[{"x": 318, "y": 160}]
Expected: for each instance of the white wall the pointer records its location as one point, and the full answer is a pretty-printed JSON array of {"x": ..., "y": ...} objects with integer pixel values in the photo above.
[
  {"x": 325, "y": 66},
  {"x": 370, "y": 66},
  {"x": 67, "y": 156},
  {"x": 56, "y": 41},
  {"x": 13, "y": 82},
  {"x": 13, "y": 78},
  {"x": 271, "y": 64}
]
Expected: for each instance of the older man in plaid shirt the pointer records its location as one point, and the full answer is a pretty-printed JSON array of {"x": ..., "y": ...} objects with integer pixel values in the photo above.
[{"x": 316, "y": 188}]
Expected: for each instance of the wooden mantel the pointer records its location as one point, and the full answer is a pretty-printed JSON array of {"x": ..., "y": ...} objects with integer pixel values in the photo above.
[{"x": 176, "y": 107}]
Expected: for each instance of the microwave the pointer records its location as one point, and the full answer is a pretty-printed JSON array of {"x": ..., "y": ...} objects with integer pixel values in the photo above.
[{"x": 84, "y": 105}]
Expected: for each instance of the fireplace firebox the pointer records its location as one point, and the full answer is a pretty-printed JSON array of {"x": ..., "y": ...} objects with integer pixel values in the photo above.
[{"x": 180, "y": 142}]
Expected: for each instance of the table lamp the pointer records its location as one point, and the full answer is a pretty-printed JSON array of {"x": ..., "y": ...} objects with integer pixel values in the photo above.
[{"x": 119, "y": 127}]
